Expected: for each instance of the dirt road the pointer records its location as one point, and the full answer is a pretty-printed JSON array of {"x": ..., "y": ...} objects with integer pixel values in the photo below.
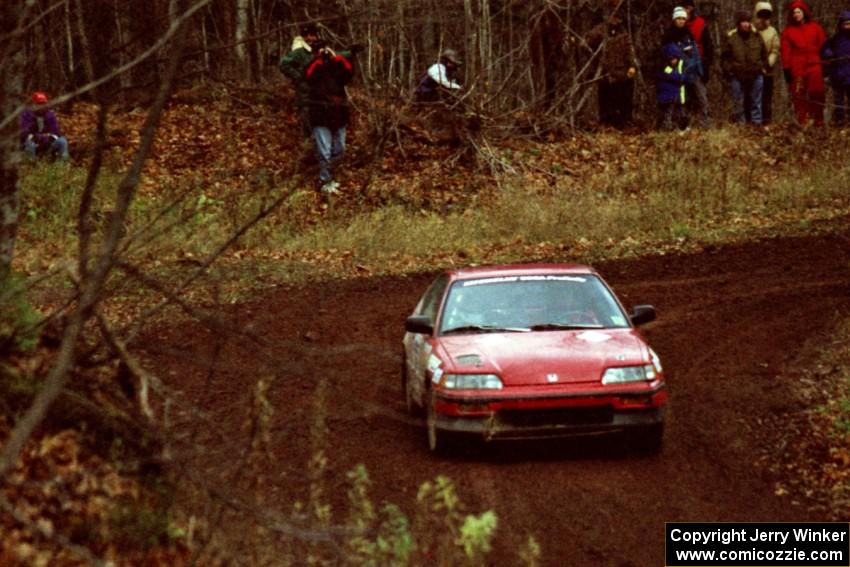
[{"x": 730, "y": 320}]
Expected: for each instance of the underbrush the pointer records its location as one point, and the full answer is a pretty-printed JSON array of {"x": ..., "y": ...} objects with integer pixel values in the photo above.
[
  {"x": 815, "y": 445},
  {"x": 627, "y": 196},
  {"x": 681, "y": 189}
]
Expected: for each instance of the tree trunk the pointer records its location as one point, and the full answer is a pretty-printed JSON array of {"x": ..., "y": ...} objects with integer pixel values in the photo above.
[
  {"x": 243, "y": 8},
  {"x": 11, "y": 88}
]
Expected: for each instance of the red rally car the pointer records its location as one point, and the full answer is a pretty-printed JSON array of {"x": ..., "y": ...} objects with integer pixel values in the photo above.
[{"x": 530, "y": 351}]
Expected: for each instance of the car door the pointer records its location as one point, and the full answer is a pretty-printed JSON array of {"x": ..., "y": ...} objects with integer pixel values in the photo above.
[{"x": 418, "y": 346}]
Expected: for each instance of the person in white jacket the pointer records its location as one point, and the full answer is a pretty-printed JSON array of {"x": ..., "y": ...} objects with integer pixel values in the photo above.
[
  {"x": 439, "y": 77},
  {"x": 763, "y": 14}
]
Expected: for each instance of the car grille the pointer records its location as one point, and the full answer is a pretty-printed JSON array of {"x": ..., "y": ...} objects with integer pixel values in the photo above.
[{"x": 559, "y": 416}]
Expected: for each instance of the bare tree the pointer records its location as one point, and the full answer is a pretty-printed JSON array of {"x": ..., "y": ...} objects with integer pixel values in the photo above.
[{"x": 11, "y": 67}]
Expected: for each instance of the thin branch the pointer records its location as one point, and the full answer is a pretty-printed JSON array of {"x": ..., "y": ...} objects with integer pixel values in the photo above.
[
  {"x": 175, "y": 26},
  {"x": 93, "y": 284},
  {"x": 205, "y": 265}
]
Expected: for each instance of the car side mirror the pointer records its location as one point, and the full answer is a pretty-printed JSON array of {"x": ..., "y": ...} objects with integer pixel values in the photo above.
[
  {"x": 642, "y": 314},
  {"x": 419, "y": 324}
]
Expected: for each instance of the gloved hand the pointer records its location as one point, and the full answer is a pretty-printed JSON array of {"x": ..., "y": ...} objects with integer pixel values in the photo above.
[{"x": 788, "y": 76}]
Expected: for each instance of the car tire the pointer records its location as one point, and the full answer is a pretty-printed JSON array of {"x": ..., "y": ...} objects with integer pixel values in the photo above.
[
  {"x": 413, "y": 408},
  {"x": 439, "y": 442}
]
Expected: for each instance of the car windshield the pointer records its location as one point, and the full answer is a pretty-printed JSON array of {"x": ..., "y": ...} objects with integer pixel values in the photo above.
[{"x": 530, "y": 303}]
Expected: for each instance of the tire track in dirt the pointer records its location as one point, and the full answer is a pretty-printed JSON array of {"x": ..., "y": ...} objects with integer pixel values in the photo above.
[{"x": 729, "y": 321}]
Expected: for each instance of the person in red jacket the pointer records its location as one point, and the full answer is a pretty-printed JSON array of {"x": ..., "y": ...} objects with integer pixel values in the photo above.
[
  {"x": 802, "y": 41},
  {"x": 698, "y": 90}
]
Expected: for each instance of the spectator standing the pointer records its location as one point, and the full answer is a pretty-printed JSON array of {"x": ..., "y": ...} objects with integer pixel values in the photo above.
[
  {"x": 678, "y": 33},
  {"x": 441, "y": 77},
  {"x": 836, "y": 55},
  {"x": 764, "y": 13},
  {"x": 617, "y": 66},
  {"x": 744, "y": 59},
  {"x": 698, "y": 89},
  {"x": 670, "y": 88},
  {"x": 39, "y": 127},
  {"x": 802, "y": 41},
  {"x": 294, "y": 65},
  {"x": 327, "y": 75}
]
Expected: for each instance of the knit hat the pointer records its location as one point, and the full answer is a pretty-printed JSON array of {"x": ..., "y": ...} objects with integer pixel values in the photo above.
[
  {"x": 762, "y": 7},
  {"x": 743, "y": 16},
  {"x": 679, "y": 12},
  {"x": 807, "y": 11},
  {"x": 39, "y": 97}
]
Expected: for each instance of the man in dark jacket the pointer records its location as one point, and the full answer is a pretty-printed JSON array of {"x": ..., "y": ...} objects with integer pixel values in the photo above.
[
  {"x": 617, "y": 70},
  {"x": 697, "y": 95},
  {"x": 40, "y": 134},
  {"x": 836, "y": 56},
  {"x": 744, "y": 61},
  {"x": 327, "y": 76}
]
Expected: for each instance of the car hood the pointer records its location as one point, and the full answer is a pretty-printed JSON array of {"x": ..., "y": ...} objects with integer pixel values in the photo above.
[{"x": 536, "y": 358}]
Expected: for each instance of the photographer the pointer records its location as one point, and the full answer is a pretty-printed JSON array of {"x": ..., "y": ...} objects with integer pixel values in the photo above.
[
  {"x": 440, "y": 78},
  {"x": 39, "y": 130},
  {"x": 327, "y": 76},
  {"x": 294, "y": 65}
]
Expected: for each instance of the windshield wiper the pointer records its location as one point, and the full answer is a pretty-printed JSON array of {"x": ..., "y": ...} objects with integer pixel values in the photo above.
[
  {"x": 485, "y": 329},
  {"x": 565, "y": 326}
]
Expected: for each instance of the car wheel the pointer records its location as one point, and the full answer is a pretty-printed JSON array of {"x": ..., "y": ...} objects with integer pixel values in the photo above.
[{"x": 439, "y": 442}]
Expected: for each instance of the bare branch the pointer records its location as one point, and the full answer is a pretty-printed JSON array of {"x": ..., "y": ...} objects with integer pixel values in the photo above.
[
  {"x": 175, "y": 26},
  {"x": 93, "y": 284}
]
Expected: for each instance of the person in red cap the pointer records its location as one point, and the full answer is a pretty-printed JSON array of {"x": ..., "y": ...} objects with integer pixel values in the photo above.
[
  {"x": 802, "y": 41},
  {"x": 40, "y": 134}
]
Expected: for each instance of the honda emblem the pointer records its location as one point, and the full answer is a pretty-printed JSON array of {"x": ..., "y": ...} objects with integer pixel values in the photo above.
[{"x": 551, "y": 378}]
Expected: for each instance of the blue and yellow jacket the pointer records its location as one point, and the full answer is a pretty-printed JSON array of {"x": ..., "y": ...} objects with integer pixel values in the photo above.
[{"x": 670, "y": 82}]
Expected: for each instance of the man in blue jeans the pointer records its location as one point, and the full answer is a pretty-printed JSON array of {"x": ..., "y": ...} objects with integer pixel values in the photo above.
[
  {"x": 744, "y": 61},
  {"x": 327, "y": 76}
]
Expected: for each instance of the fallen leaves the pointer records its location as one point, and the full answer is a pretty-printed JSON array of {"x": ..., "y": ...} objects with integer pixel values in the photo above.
[
  {"x": 62, "y": 488},
  {"x": 810, "y": 448}
]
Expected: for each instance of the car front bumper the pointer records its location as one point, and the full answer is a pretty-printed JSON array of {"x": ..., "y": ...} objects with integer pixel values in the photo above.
[{"x": 546, "y": 418}]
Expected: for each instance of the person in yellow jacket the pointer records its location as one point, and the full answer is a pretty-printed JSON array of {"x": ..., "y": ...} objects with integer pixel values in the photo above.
[{"x": 763, "y": 14}]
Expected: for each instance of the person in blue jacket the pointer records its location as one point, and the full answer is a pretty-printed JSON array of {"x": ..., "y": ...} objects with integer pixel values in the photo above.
[
  {"x": 679, "y": 33},
  {"x": 836, "y": 57},
  {"x": 670, "y": 88}
]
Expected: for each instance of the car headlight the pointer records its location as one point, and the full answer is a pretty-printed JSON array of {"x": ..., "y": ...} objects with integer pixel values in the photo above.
[
  {"x": 655, "y": 360},
  {"x": 472, "y": 382},
  {"x": 625, "y": 374}
]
